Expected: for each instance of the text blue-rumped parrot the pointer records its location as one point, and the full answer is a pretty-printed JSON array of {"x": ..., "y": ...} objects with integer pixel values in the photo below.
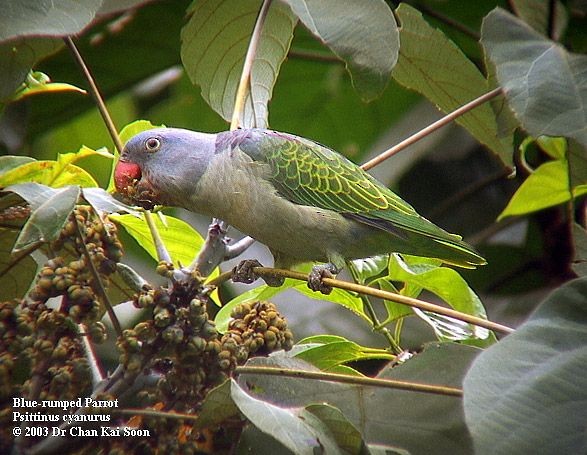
[{"x": 301, "y": 199}]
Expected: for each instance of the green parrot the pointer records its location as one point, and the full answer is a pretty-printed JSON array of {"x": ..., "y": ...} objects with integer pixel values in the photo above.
[{"x": 304, "y": 201}]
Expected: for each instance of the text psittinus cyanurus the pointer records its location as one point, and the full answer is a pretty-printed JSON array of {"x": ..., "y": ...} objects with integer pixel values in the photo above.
[{"x": 301, "y": 199}]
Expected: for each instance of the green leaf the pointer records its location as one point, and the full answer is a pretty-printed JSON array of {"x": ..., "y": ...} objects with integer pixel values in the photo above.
[
  {"x": 544, "y": 84},
  {"x": 37, "y": 82},
  {"x": 291, "y": 427},
  {"x": 7, "y": 163},
  {"x": 417, "y": 422},
  {"x": 136, "y": 127},
  {"x": 47, "y": 220},
  {"x": 346, "y": 435},
  {"x": 370, "y": 267},
  {"x": 555, "y": 147},
  {"x": 340, "y": 297},
  {"x": 33, "y": 193},
  {"x": 331, "y": 351},
  {"x": 55, "y": 173},
  {"x": 217, "y": 406},
  {"x": 46, "y": 17},
  {"x": 103, "y": 202},
  {"x": 363, "y": 33},
  {"x": 434, "y": 66},
  {"x": 394, "y": 310},
  {"x": 15, "y": 277},
  {"x": 214, "y": 45},
  {"x": 17, "y": 57},
  {"x": 181, "y": 240},
  {"x": 447, "y": 284},
  {"x": 527, "y": 393},
  {"x": 546, "y": 187}
]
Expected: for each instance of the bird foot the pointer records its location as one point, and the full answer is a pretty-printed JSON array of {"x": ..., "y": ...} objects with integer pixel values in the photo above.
[
  {"x": 318, "y": 273},
  {"x": 244, "y": 273}
]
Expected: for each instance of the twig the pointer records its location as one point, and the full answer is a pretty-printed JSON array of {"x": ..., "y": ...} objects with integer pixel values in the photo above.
[
  {"x": 97, "y": 284},
  {"x": 431, "y": 128},
  {"x": 245, "y": 80},
  {"x": 353, "y": 287},
  {"x": 95, "y": 94},
  {"x": 162, "y": 253},
  {"x": 357, "y": 380}
]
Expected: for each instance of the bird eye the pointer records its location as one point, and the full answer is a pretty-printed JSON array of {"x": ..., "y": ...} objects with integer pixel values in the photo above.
[{"x": 152, "y": 144}]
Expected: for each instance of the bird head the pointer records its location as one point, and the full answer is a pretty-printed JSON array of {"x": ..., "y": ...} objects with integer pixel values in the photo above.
[{"x": 163, "y": 165}]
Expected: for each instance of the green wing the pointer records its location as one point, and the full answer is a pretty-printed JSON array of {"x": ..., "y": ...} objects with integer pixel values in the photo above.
[{"x": 309, "y": 174}]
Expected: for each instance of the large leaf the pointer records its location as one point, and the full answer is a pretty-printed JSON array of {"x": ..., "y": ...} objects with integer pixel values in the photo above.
[
  {"x": 434, "y": 66},
  {"x": 420, "y": 423},
  {"x": 528, "y": 393},
  {"x": 363, "y": 33},
  {"x": 22, "y": 23},
  {"x": 295, "y": 428},
  {"x": 447, "y": 284},
  {"x": 214, "y": 45},
  {"x": 545, "y": 85},
  {"x": 57, "y": 173},
  {"x": 181, "y": 240},
  {"x": 46, "y": 17},
  {"x": 547, "y": 186},
  {"x": 17, "y": 57},
  {"x": 47, "y": 220}
]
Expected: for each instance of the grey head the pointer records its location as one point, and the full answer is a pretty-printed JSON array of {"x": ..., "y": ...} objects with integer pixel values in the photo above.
[{"x": 167, "y": 163}]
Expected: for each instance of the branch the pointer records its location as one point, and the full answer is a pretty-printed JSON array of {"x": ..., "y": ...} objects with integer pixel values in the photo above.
[
  {"x": 95, "y": 94},
  {"x": 367, "y": 290},
  {"x": 431, "y": 128},
  {"x": 162, "y": 253},
  {"x": 357, "y": 380}
]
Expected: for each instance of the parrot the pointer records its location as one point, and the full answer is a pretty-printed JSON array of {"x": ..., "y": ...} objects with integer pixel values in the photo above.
[{"x": 304, "y": 201}]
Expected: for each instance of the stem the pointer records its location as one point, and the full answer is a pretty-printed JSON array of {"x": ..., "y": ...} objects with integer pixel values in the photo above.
[
  {"x": 245, "y": 80},
  {"x": 162, "y": 253},
  {"x": 96, "y": 283},
  {"x": 431, "y": 128},
  {"x": 404, "y": 300},
  {"x": 95, "y": 94},
  {"x": 373, "y": 316},
  {"x": 356, "y": 380}
]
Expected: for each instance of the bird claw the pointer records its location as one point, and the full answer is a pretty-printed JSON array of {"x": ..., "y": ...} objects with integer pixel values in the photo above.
[
  {"x": 243, "y": 273},
  {"x": 318, "y": 273}
]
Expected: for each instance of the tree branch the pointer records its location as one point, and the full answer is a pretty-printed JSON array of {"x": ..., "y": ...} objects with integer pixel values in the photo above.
[
  {"x": 367, "y": 290},
  {"x": 431, "y": 128},
  {"x": 356, "y": 380}
]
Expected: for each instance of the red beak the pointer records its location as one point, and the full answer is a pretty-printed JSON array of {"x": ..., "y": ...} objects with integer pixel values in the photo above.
[{"x": 124, "y": 175}]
